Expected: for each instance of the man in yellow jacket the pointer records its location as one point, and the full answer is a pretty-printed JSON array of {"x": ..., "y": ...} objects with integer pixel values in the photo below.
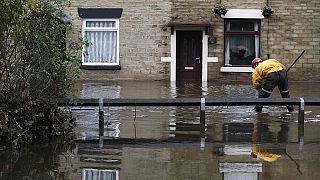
[{"x": 266, "y": 76}]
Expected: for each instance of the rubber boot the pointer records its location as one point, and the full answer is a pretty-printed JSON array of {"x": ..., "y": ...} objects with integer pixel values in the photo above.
[{"x": 290, "y": 108}]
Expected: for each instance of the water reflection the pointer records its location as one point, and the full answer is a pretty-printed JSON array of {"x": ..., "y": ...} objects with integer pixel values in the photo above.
[
  {"x": 96, "y": 90},
  {"x": 264, "y": 146},
  {"x": 166, "y": 142},
  {"x": 37, "y": 162},
  {"x": 179, "y": 158},
  {"x": 236, "y": 171},
  {"x": 100, "y": 174}
]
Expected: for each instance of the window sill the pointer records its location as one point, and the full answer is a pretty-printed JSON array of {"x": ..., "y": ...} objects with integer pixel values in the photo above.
[
  {"x": 236, "y": 69},
  {"x": 100, "y": 67}
]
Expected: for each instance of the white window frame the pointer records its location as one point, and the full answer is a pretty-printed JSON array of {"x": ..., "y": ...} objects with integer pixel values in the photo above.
[
  {"x": 256, "y": 46},
  {"x": 98, "y": 172},
  {"x": 253, "y": 14},
  {"x": 84, "y": 29}
]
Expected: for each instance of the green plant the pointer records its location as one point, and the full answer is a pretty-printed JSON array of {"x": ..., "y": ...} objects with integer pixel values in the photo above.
[
  {"x": 267, "y": 11},
  {"x": 219, "y": 9},
  {"x": 35, "y": 65}
]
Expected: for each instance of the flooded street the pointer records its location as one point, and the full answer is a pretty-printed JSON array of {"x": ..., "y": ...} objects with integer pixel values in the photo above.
[{"x": 164, "y": 143}]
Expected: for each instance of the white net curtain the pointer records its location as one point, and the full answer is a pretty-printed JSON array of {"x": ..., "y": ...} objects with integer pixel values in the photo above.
[
  {"x": 102, "y": 47},
  {"x": 242, "y": 42}
]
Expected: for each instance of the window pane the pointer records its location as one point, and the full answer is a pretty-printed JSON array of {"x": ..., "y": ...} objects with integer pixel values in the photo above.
[
  {"x": 100, "y": 24},
  {"x": 241, "y": 49},
  {"x": 241, "y": 26},
  {"x": 102, "y": 47},
  {"x": 241, "y": 41}
]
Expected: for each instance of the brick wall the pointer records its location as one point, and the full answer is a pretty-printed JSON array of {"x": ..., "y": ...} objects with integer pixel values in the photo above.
[
  {"x": 295, "y": 27},
  {"x": 145, "y": 38}
]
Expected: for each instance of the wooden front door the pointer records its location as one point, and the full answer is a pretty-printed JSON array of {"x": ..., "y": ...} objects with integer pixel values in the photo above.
[{"x": 189, "y": 55}]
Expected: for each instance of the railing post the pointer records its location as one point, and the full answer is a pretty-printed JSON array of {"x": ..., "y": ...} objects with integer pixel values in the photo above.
[
  {"x": 202, "y": 122},
  {"x": 101, "y": 117},
  {"x": 301, "y": 111},
  {"x": 301, "y": 124}
]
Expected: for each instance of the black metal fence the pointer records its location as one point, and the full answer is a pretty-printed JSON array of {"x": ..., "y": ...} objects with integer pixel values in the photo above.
[{"x": 200, "y": 102}]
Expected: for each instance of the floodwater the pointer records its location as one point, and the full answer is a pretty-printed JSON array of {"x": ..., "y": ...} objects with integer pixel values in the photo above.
[{"x": 164, "y": 143}]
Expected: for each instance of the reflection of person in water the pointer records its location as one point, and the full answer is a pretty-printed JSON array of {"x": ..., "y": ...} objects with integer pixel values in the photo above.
[
  {"x": 259, "y": 152},
  {"x": 265, "y": 145}
]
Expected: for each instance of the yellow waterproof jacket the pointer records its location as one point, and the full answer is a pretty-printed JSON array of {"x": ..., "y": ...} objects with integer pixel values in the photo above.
[
  {"x": 263, "y": 69},
  {"x": 260, "y": 151},
  {"x": 263, "y": 154}
]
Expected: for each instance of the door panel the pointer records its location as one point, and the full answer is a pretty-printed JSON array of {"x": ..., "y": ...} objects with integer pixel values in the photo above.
[{"x": 189, "y": 55}]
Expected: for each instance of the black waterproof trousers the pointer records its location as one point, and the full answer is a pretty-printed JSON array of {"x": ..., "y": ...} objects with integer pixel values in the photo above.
[{"x": 272, "y": 80}]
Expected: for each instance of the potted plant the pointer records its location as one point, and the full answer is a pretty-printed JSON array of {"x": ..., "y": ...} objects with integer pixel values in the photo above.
[
  {"x": 219, "y": 9},
  {"x": 267, "y": 11}
]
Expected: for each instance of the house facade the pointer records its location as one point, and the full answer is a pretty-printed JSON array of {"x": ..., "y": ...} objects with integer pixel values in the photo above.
[{"x": 183, "y": 40}]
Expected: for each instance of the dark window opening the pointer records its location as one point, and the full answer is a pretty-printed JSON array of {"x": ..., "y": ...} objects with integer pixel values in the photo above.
[{"x": 242, "y": 42}]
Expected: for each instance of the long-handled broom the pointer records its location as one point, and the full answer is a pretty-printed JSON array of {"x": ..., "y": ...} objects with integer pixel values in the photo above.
[{"x": 295, "y": 61}]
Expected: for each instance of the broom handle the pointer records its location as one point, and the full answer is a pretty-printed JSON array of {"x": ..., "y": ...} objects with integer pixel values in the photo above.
[{"x": 295, "y": 61}]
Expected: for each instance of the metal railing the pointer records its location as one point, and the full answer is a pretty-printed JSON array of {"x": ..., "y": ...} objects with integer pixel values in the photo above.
[{"x": 200, "y": 102}]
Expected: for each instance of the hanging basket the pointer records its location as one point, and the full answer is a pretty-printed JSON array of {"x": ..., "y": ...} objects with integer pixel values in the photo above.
[
  {"x": 267, "y": 11},
  {"x": 219, "y": 9}
]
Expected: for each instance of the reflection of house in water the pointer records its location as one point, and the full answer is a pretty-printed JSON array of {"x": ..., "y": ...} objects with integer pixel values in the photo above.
[
  {"x": 100, "y": 163},
  {"x": 184, "y": 122},
  {"x": 236, "y": 171},
  {"x": 185, "y": 129},
  {"x": 232, "y": 169},
  {"x": 112, "y": 129},
  {"x": 237, "y": 132},
  {"x": 257, "y": 144},
  {"x": 99, "y": 174}
]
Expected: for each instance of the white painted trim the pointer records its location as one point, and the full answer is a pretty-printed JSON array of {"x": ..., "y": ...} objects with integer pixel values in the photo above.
[
  {"x": 244, "y": 14},
  {"x": 99, "y": 64},
  {"x": 204, "y": 72},
  {"x": 212, "y": 59},
  {"x": 165, "y": 59},
  {"x": 236, "y": 69},
  {"x": 204, "y": 87},
  {"x": 205, "y": 58},
  {"x": 173, "y": 57}
]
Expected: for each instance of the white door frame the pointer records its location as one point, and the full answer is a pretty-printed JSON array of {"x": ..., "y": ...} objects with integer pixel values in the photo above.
[{"x": 205, "y": 58}]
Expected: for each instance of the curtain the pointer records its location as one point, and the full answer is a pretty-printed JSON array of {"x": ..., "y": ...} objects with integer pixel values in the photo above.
[
  {"x": 246, "y": 43},
  {"x": 102, "y": 46},
  {"x": 243, "y": 47}
]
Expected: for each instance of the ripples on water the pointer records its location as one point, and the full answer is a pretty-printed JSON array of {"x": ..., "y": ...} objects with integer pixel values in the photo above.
[{"x": 165, "y": 143}]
